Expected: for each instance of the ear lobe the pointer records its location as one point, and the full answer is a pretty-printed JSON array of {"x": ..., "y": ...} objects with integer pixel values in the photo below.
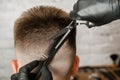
[
  {"x": 76, "y": 65},
  {"x": 14, "y": 64}
]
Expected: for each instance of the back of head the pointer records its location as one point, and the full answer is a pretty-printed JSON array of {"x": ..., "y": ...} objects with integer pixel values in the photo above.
[{"x": 32, "y": 33}]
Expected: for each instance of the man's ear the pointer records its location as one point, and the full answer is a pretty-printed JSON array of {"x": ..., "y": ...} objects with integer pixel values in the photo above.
[
  {"x": 76, "y": 65},
  {"x": 14, "y": 64}
]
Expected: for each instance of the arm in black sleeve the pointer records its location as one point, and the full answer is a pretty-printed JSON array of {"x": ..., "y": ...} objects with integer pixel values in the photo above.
[{"x": 99, "y": 12}]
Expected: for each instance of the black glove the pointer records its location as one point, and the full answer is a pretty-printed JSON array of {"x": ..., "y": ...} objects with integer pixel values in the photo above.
[
  {"x": 99, "y": 12},
  {"x": 25, "y": 71}
]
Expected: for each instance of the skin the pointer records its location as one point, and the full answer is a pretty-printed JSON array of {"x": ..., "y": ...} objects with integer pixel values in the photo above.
[{"x": 60, "y": 66}]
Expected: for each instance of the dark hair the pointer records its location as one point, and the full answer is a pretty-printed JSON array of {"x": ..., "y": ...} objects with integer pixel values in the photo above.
[{"x": 37, "y": 25}]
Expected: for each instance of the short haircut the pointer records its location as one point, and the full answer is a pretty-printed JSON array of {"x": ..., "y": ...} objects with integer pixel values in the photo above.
[{"x": 36, "y": 26}]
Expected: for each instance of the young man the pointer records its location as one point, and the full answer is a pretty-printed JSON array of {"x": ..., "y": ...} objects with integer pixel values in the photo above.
[{"x": 32, "y": 35}]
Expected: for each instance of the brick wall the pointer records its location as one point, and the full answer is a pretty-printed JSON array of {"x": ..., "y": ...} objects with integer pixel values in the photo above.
[{"x": 95, "y": 45}]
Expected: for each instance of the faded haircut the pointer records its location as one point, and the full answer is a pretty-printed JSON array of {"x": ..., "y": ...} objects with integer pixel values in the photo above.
[{"x": 35, "y": 27}]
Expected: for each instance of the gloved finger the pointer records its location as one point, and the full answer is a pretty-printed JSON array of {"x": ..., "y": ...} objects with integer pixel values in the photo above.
[
  {"x": 75, "y": 7},
  {"x": 14, "y": 76},
  {"x": 74, "y": 15},
  {"x": 29, "y": 67},
  {"x": 32, "y": 76},
  {"x": 23, "y": 76}
]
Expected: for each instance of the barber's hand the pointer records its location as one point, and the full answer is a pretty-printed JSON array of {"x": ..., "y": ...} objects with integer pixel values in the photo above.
[
  {"x": 25, "y": 72},
  {"x": 99, "y": 12}
]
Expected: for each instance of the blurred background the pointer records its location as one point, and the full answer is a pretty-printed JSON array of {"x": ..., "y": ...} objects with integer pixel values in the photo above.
[{"x": 94, "y": 46}]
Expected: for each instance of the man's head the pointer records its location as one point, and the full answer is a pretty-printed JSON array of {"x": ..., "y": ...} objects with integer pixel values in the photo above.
[{"x": 32, "y": 35}]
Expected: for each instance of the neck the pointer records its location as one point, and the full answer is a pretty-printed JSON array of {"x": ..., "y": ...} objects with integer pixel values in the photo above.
[{"x": 58, "y": 77}]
